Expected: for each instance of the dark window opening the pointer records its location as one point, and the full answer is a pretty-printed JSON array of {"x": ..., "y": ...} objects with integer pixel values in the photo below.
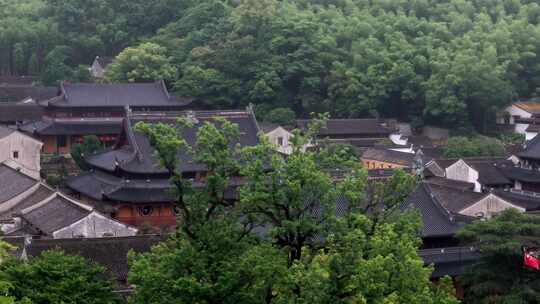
[
  {"x": 146, "y": 210},
  {"x": 62, "y": 141},
  {"x": 16, "y": 154}
]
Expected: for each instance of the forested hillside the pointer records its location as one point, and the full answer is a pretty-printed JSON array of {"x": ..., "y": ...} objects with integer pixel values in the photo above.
[{"x": 444, "y": 62}]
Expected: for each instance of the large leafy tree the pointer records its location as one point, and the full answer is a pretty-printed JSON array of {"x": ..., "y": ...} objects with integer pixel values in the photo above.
[
  {"x": 55, "y": 277},
  {"x": 144, "y": 63},
  {"x": 460, "y": 146},
  {"x": 213, "y": 258},
  {"x": 499, "y": 277},
  {"x": 282, "y": 242}
]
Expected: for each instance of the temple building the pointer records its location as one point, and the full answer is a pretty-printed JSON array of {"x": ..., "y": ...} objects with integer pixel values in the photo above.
[
  {"x": 127, "y": 181},
  {"x": 94, "y": 109}
]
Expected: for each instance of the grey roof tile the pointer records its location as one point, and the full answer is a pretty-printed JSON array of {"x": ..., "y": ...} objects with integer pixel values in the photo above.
[
  {"x": 51, "y": 215},
  {"x": 13, "y": 183},
  {"x": 116, "y": 95}
]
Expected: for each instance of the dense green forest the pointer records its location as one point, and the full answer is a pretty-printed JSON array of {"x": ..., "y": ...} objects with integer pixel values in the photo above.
[{"x": 443, "y": 62}]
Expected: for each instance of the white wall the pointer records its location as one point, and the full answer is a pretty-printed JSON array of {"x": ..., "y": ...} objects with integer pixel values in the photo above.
[
  {"x": 279, "y": 132},
  {"x": 513, "y": 110},
  {"x": 28, "y": 150},
  {"x": 462, "y": 172},
  {"x": 95, "y": 225},
  {"x": 397, "y": 139},
  {"x": 489, "y": 206},
  {"x": 530, "y": 135},
  {"x": 286, "y": 147}
]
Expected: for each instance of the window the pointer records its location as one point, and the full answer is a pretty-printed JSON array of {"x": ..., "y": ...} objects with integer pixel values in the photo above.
[
  {"x": 146, "y": 210},
  {"x": 15, "y": 154},
  {"x": 280, "y": 141},
  {"x": 61, "y": 141}
]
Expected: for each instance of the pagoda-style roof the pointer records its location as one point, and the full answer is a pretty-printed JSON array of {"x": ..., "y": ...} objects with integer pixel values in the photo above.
[
  {"x": 104, "y": 186},
  {"x": 130, "y": 171},
  {"x": 134, "y": 155},
  {"x": 95, "y": 95}
]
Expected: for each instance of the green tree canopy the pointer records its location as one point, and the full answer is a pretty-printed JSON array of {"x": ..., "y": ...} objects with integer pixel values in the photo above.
[
  {"x": 282, "y": 242},
  {"x": 460, "y": 146},
  {"x": 451, "y": 63},
  {"x": 499, "y": 277},
  {"x": 144, "y": 63},
  {"x": 280, "y": 116},
  {"x": 55, "y": 277}
]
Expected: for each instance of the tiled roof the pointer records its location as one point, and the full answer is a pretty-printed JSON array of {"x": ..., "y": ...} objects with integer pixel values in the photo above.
[
  {"x": 451, "y": 261},
  {"x": 450, "y": 183},
  {"x": 389, "y": 156},
  {"x": 5, "y": 131},
  {"x": 11, "y": 112},
  {"x": 535, "y": 128},
  {"x": 103, "y": 186},
  {"x": 489, "y": 173},
  {"x": 108, "y": 252},
  {"x": 532, "y": 149},
  {"x": 41, "y": 193},
  {"x": 116, "y": 95},
  {"x": 139, "y": 157},
  {"x": 452, "y": 199},
  {"x": 19, "y": 93},
  {"x": 79, "y": 126},
  {"x": 13, "y": 183},
  {"x": 54, "y": 213},
  {"x": 367, "y": 126},
  {"x": 529, "y": 201},
  {"x": 520, "y": 174},
  {"x": 437, "y": 221},
  {"x": 529, "y": 106},
  {"x": 435, "y": 205}
]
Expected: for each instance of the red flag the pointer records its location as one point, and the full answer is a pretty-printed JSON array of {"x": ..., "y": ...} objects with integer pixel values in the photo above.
[{"x": 531, "y": 261}]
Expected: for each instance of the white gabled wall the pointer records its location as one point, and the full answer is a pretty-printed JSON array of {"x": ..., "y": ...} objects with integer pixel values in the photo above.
[
  {"x": 462, "y": 172},
  {"x": 280, "y": 132},
  {"x": 514, "y": 110},
  {"x": 95, "y": 225},
  {"x": 28, "y": 150},
  {"x": 489, "y": 206}
]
